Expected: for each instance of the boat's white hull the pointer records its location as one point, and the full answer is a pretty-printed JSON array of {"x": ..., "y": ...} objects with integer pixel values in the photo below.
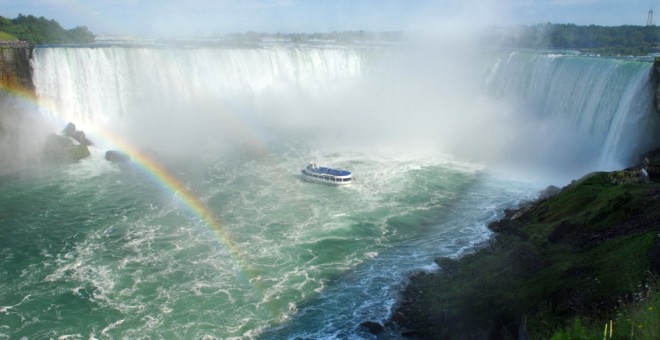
[
  {"x": 325, "y": 180},
  {"x": 315, "y": 174}
]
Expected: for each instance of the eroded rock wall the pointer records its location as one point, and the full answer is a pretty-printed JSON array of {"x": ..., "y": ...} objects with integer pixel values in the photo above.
[
  {"x": 15, "y": 70},
  {"x": 21, "y": 129}
]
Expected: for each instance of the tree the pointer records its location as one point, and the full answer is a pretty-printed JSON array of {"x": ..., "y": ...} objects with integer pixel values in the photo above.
[{"x": 39, "y": 31}]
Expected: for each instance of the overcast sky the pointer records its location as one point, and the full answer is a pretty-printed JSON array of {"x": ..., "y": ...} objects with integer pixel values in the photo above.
[{"x": 202, "y": 17}]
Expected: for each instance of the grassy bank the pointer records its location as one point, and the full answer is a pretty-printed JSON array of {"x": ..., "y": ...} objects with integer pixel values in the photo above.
[
  {"x": 562, "y": 267},
  {"x": 7, "y": 36}
]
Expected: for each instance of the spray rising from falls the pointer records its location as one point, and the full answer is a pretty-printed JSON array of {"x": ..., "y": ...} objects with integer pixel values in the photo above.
[
  {"x": 562, "y": 113},
  {"x": 163, "y": 96},
  {"x": 125, "y": 260},
  {"x": 592, "y": 113}
]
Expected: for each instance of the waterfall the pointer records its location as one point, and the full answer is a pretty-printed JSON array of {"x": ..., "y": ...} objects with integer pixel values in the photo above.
[
  {"x": 131, "y": 257},
  {"x": 88, "y": 84},
  {"x": 556, "y": 111},
  {"x": 607, "y": 100},
  {"x": 161, "y": 97}
]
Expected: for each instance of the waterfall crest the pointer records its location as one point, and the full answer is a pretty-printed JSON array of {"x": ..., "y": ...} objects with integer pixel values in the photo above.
[
  {"x": 583, "y": 113},
  {"x": 605, "y": 99}
]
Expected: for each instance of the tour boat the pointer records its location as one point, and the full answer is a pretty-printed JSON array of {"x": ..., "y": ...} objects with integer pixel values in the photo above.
[{"x": 319, "y": 174}]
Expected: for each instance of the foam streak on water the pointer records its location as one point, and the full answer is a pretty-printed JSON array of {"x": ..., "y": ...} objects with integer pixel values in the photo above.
[
  {"x": 102, "y": 252},
  {"x": 98, "y": 250}
]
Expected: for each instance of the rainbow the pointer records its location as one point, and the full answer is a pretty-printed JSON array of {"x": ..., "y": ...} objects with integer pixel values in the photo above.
[
  {"x": 254, "y": 137},
  {"x": 153, "y": 169},
  {"x": 160, "y": 175},
  {"x": 50, "y": 108}
]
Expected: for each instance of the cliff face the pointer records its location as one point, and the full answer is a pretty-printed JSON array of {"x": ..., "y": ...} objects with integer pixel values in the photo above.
[
  {"x": 581, "y": 253},
  {"x": 24, "y": 134},
  {"x": 15, "y": 70},
  {"x": 21, "y": 129}
]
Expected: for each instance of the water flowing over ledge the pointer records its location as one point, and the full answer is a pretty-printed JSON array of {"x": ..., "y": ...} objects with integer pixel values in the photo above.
[
  {"x": 587, "y": 112},
  {"x": 422, "y": 133}
]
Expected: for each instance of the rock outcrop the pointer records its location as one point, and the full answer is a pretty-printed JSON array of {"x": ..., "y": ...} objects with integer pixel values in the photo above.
[
  {"x": 71, "y": 146},
  {"x": 63, "y": 149},
  {"x": 117, "y": 157},
  {"x": 15, "y": 70},
  {"x": 17, "y": 151},
  {"x": 548, "y": 192},
  {"x": 372, "y": 327},
  {"x": 71, "y": 131},
  {"x": 577, "y": 254}
]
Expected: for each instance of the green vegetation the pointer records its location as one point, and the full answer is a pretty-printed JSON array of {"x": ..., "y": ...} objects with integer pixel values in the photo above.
[
  {"x": 345, "y": 37},
  {"x": 38, "y": 31},
  {"x": 559, "y": 268},
  {"x": 607, "y": 40},
  {"x": 635, "y": 320},
  {"x": 621, "y": 40},
  {"x": 7, "y": 36}
]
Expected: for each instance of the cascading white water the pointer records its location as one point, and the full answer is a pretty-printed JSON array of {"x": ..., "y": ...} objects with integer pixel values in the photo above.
[
  {"x": 92, "y": 84},
  {"x": 558, "y": 112},
  {"x": 158, "y": 96},
  {"x": 605, "y": 100},
  {"x": 112, "y": 254}
]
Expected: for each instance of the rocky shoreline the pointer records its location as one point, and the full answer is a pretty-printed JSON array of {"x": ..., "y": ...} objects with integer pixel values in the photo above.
[{"x": 577, "y": 253}]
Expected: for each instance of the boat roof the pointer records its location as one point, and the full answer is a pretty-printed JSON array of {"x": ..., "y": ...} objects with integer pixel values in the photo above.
[{"x": 329, "y": 171}]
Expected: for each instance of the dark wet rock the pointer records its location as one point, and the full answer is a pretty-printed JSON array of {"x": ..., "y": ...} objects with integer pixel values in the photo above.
[
  {"x": 654, "y": 256},
  {"x": 569, "y": 253},
  {"x": 520, "y": 213},
  {"x": 503, "y": 226},
  {"x": 650, "y": 157},
  {"x": 562, "y": 230},
  {"x": 117, "y": 157},
  {"x": 15, "y": 67},
  {"x": 71, "y": 146},
  {"x": 62, "y": 149},
  {"x": 78, "y": 135},
  {"x": 372, "y": 327},
  {"x": 69, "y": 129},
  {"x": 549, "y": 192},
  {"x": 653, "y": 172},
  {"x": 397, "y": 318}
]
